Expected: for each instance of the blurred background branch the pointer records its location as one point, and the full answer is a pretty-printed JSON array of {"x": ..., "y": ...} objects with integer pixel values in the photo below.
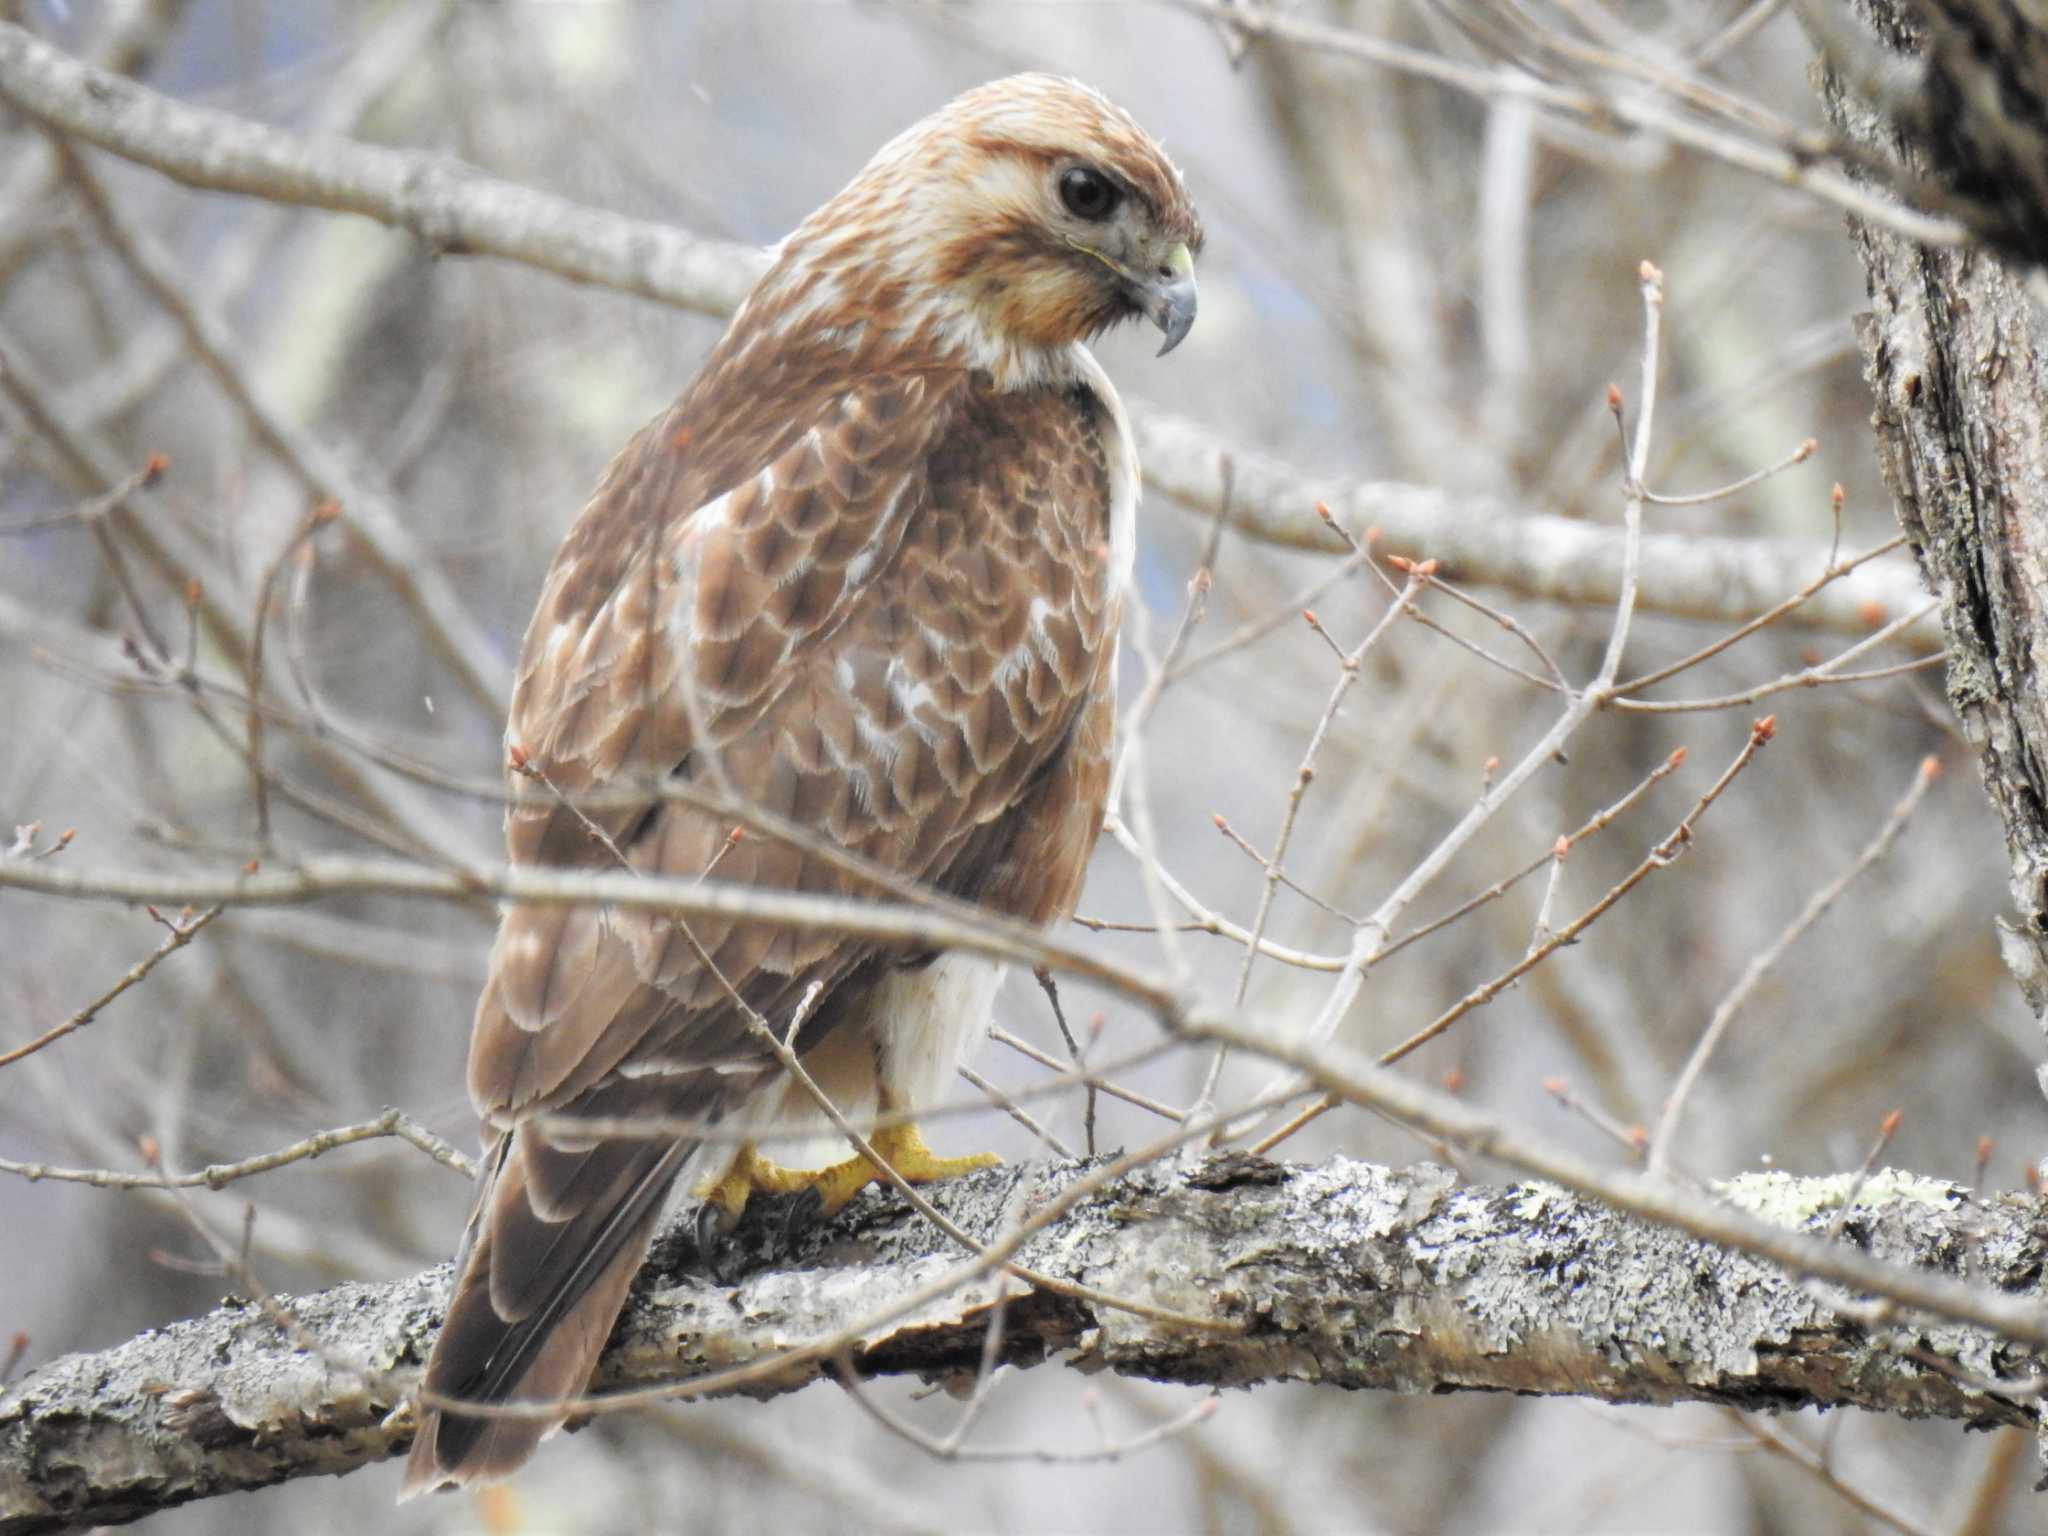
[{"x": 453, "y": 210}]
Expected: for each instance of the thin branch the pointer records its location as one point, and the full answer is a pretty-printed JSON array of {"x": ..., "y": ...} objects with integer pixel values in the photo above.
[
  {"x": 1798, "y": 455},
  {"x": 1114, "y": 1089},
  {"x": 947, "y": 1449},
  {"x": 1018, "y": 1113},
  {"x": 181, "y": 934},
  {"x": 1760, "y": 964},
  {"x": 1238, "y": 841},
  {"x": 447, "y": 205},
  {"x": 1287, "y": 613},
  {"x": 392, "y": 1123},
  {"x": 1662, "y": 856},
  {"x": 1371, "y": 939},
  {"x": 379, "y": 529},
  {"x": 1508, "y": 622},
  {"x": 1632, "y": 1139},
  {"x": 651, "y": 1127},
  {"x": 1600, "y": 819},
  {"x": 1786, "y": 165},
  {"x": 1050, "y": 987},
  {"x": 1821, "y": 675},
  {"x": 1348, "y": 673},
  {"x": 457, "y": 210},
  {"x": 300, "y": 541},
  {"x": 320, "y": 875},
  {"x": 1834, "y": 572},
  {"x": 1816, "y": 1467},
  {"x": 1127, "y": 778},
  {"x": 93, "y": 509}
]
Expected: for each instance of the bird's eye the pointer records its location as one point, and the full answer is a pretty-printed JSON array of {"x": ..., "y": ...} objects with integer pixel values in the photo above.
[{"x": 1088, "y": 194}]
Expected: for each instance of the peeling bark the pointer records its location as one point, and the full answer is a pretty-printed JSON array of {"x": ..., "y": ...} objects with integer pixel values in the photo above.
[{"x": 1344, "y": 1275}]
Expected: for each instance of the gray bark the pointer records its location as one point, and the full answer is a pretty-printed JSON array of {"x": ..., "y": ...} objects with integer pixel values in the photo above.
[
  {"x": 1344, "y": 1275},
  {"x": 1954, "y": 351}
]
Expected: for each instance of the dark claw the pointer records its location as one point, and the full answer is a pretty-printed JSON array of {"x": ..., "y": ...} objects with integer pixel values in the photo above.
[
  {"x": 805, "y": 1207},
  {"x": 711, "y": 1226}
]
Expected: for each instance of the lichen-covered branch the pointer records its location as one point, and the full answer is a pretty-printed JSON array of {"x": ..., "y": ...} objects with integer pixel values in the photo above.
[
  {"x": 454, "y": 209},
  {"x": 1342, "y": 1275},
  {"x": 1957, "y": 358}
]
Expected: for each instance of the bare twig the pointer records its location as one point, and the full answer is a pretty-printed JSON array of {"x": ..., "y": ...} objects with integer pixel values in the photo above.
[
  {"x": 948, "y": 1448},
  {"x": 1287, "y": 613},
  {"x": 1051, "y": 988},
  {"x": 1833, "y": 573},
  {"x": 650, "y": 1127},
  {"x": 181, "y": 934},
  {"x": 1798, "y": 455},
  {"x": 1113, "y": 1089},
  {"x": 1887, "y": 1128},
  {"x": 1371, "y": 939},
  {"x": 1816, "y": 1467},
  {"x": 94, "y": 508},
  {"x": 300, "y": 541},
  {"x": 1760, "y": 965},
  {"x": 453, "y": 208},
  {"x": 1018, "y": 1113},
  {"x": 1662, "y": 856},
  {"x": 326, "y": 875},
  {"x": 381, "y": 531},
  {"x": 1784, "y": 164},
  {"x": 1347, "y": 675},
  {"x": 1632, "y": 1139},
  {"x": 1820, "y": 676},
  {"x": 392, "y": 1123},
  {"x": 1599, "y": 820}
]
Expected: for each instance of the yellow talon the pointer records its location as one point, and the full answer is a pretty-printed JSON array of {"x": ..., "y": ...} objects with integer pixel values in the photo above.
[{"x": 901, "y": 1146}]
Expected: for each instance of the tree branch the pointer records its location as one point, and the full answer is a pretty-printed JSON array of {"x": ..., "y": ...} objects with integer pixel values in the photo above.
[
  {"x": 936, "y": 920},
  {"x": 1345, "y": 1275},
  {"x": 457, "y": 210},
  {"x": 1339, "y": 1071}
]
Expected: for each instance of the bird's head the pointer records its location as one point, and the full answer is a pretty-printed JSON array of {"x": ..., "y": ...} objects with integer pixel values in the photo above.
[{"x": 1023, "y": 217}]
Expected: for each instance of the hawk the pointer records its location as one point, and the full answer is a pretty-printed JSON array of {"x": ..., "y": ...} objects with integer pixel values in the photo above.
[{"x": 865, "y": 574}]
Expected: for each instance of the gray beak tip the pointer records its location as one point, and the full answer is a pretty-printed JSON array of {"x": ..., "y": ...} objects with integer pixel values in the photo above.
[
  {"x": 1173, "y": 311},
  {"x": 1166, "y": 295}
]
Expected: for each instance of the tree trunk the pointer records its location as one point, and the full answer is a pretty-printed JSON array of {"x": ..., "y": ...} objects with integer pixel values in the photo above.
[{"x": 1954, "y": 351}]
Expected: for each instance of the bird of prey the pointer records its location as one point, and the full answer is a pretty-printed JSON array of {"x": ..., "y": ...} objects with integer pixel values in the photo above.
[{"x": 865, "y": 575}]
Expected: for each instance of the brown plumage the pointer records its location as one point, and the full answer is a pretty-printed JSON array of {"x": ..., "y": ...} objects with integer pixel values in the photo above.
[{"x": 867, "y": 572}]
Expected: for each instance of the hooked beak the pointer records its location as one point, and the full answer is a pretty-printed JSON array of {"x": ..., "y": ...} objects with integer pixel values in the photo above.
[{"x": 1167, "y": 296}]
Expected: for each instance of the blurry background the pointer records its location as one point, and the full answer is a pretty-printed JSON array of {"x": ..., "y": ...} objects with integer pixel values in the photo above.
[{"x": 1402, "y": 283}]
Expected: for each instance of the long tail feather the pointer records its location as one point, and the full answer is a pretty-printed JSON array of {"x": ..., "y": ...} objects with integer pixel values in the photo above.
[{"x": 534, "y": 1299}]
